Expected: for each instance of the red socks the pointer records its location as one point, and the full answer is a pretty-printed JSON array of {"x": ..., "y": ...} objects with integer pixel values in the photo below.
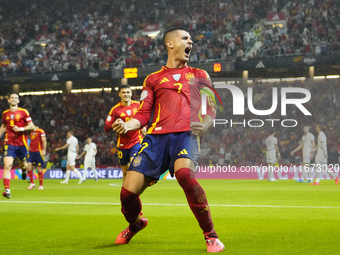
[
  {"x": 41, "y": 177},
  {"x": 30, "y": 175},
  {"x": 6, "y": 183},
  {"x": 197, "y": 200},
  {"x": 131, "y": 208}
]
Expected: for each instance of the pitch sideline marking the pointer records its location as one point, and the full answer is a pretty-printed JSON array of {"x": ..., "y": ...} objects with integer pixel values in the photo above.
[{"x": 157, "y": 204}]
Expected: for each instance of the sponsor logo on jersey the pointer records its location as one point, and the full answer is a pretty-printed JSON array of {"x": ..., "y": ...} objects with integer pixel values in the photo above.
[{"x": 164, "y": 80}]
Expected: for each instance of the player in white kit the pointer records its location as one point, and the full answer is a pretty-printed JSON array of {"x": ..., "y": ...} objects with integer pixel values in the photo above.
[
  {"x": 90, "y": 151},
  {"x": 272, "y": 150},
  {"x": 72, "y": 151},
  {"x": 308, "y": 146},
  {"x": 321, "y": 157}
]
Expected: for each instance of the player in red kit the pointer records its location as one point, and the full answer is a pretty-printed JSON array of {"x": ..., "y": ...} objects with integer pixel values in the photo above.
[
  {"x": 171, "y": 141},
  {"x": 15, "y": 122},
  {"x": 127, "y": 144},
  {"x": 37, "y": 151}
]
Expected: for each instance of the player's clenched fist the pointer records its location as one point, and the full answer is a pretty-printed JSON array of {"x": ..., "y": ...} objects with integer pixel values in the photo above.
[
  {"x": 17, "y": 129},
  {"x": 197, "y": 128},
  {"x": 119, "y": 126}
]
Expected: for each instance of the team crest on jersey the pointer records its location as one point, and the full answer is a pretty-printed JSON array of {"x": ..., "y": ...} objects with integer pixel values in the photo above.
[
  {"x": 134, "y": 110},
  {"x": 136, "y": 161},
  {"x": 17, "y": 117},
  {"x": 12, "y": 116},
  {"x": 177, "y": 77},
  {"x": 188, "y": 76},
  {"x": 128, "y": 112}
]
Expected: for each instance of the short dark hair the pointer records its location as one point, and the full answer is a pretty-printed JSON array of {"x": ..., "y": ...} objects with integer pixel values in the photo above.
[
  {"x": 13, "y": 94},
  {"x": 170, "y": 30},
  {"x": 123, "y": 87},
  {"x": 71, "y": 131},
  {"x": 321, "y": 125},
  {"x": 272, "y": 130}
]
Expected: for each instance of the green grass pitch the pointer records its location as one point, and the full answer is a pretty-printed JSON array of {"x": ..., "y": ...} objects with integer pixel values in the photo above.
[{"x": 250, "y": 216}]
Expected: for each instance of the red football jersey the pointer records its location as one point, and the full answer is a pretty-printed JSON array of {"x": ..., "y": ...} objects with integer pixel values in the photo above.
[
  {"x": 176, "y": 101},
  {"x": 36, "y": 144},
  {"x": 19, "y": 118},
  {"x": 125, "y": 141}
]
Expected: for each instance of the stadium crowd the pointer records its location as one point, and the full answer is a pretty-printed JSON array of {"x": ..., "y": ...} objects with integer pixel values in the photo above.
[
  {"x": 313, "y": 28},
  {"x": 92, "y": 35}
]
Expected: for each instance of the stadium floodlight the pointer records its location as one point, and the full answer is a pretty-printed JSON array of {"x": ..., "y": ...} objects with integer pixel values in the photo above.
[
  {"x": 40, "y": 93},
  {"x": 274, "y": 80},
  {"x": 219, "y": 83},
  {"x": 154, "y": 34},
  {"x": 319, "y": 77},
  {"x": 289, "y": 79},
  {"x": 332, "y": 76}
]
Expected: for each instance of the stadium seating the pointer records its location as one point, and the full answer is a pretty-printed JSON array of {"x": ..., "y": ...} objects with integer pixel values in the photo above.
[{"x": 93, "y": 35}]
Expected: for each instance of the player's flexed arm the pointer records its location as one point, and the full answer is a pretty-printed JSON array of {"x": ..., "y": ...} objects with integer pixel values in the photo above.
[
  {"x": 122, "y": 127},
  {"x": 30, "y": 126},
  {"x": 199, "y": 128}
]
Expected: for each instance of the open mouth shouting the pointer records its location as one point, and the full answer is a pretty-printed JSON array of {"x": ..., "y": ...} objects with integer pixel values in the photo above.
[{"x": 187, "y": 51}]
